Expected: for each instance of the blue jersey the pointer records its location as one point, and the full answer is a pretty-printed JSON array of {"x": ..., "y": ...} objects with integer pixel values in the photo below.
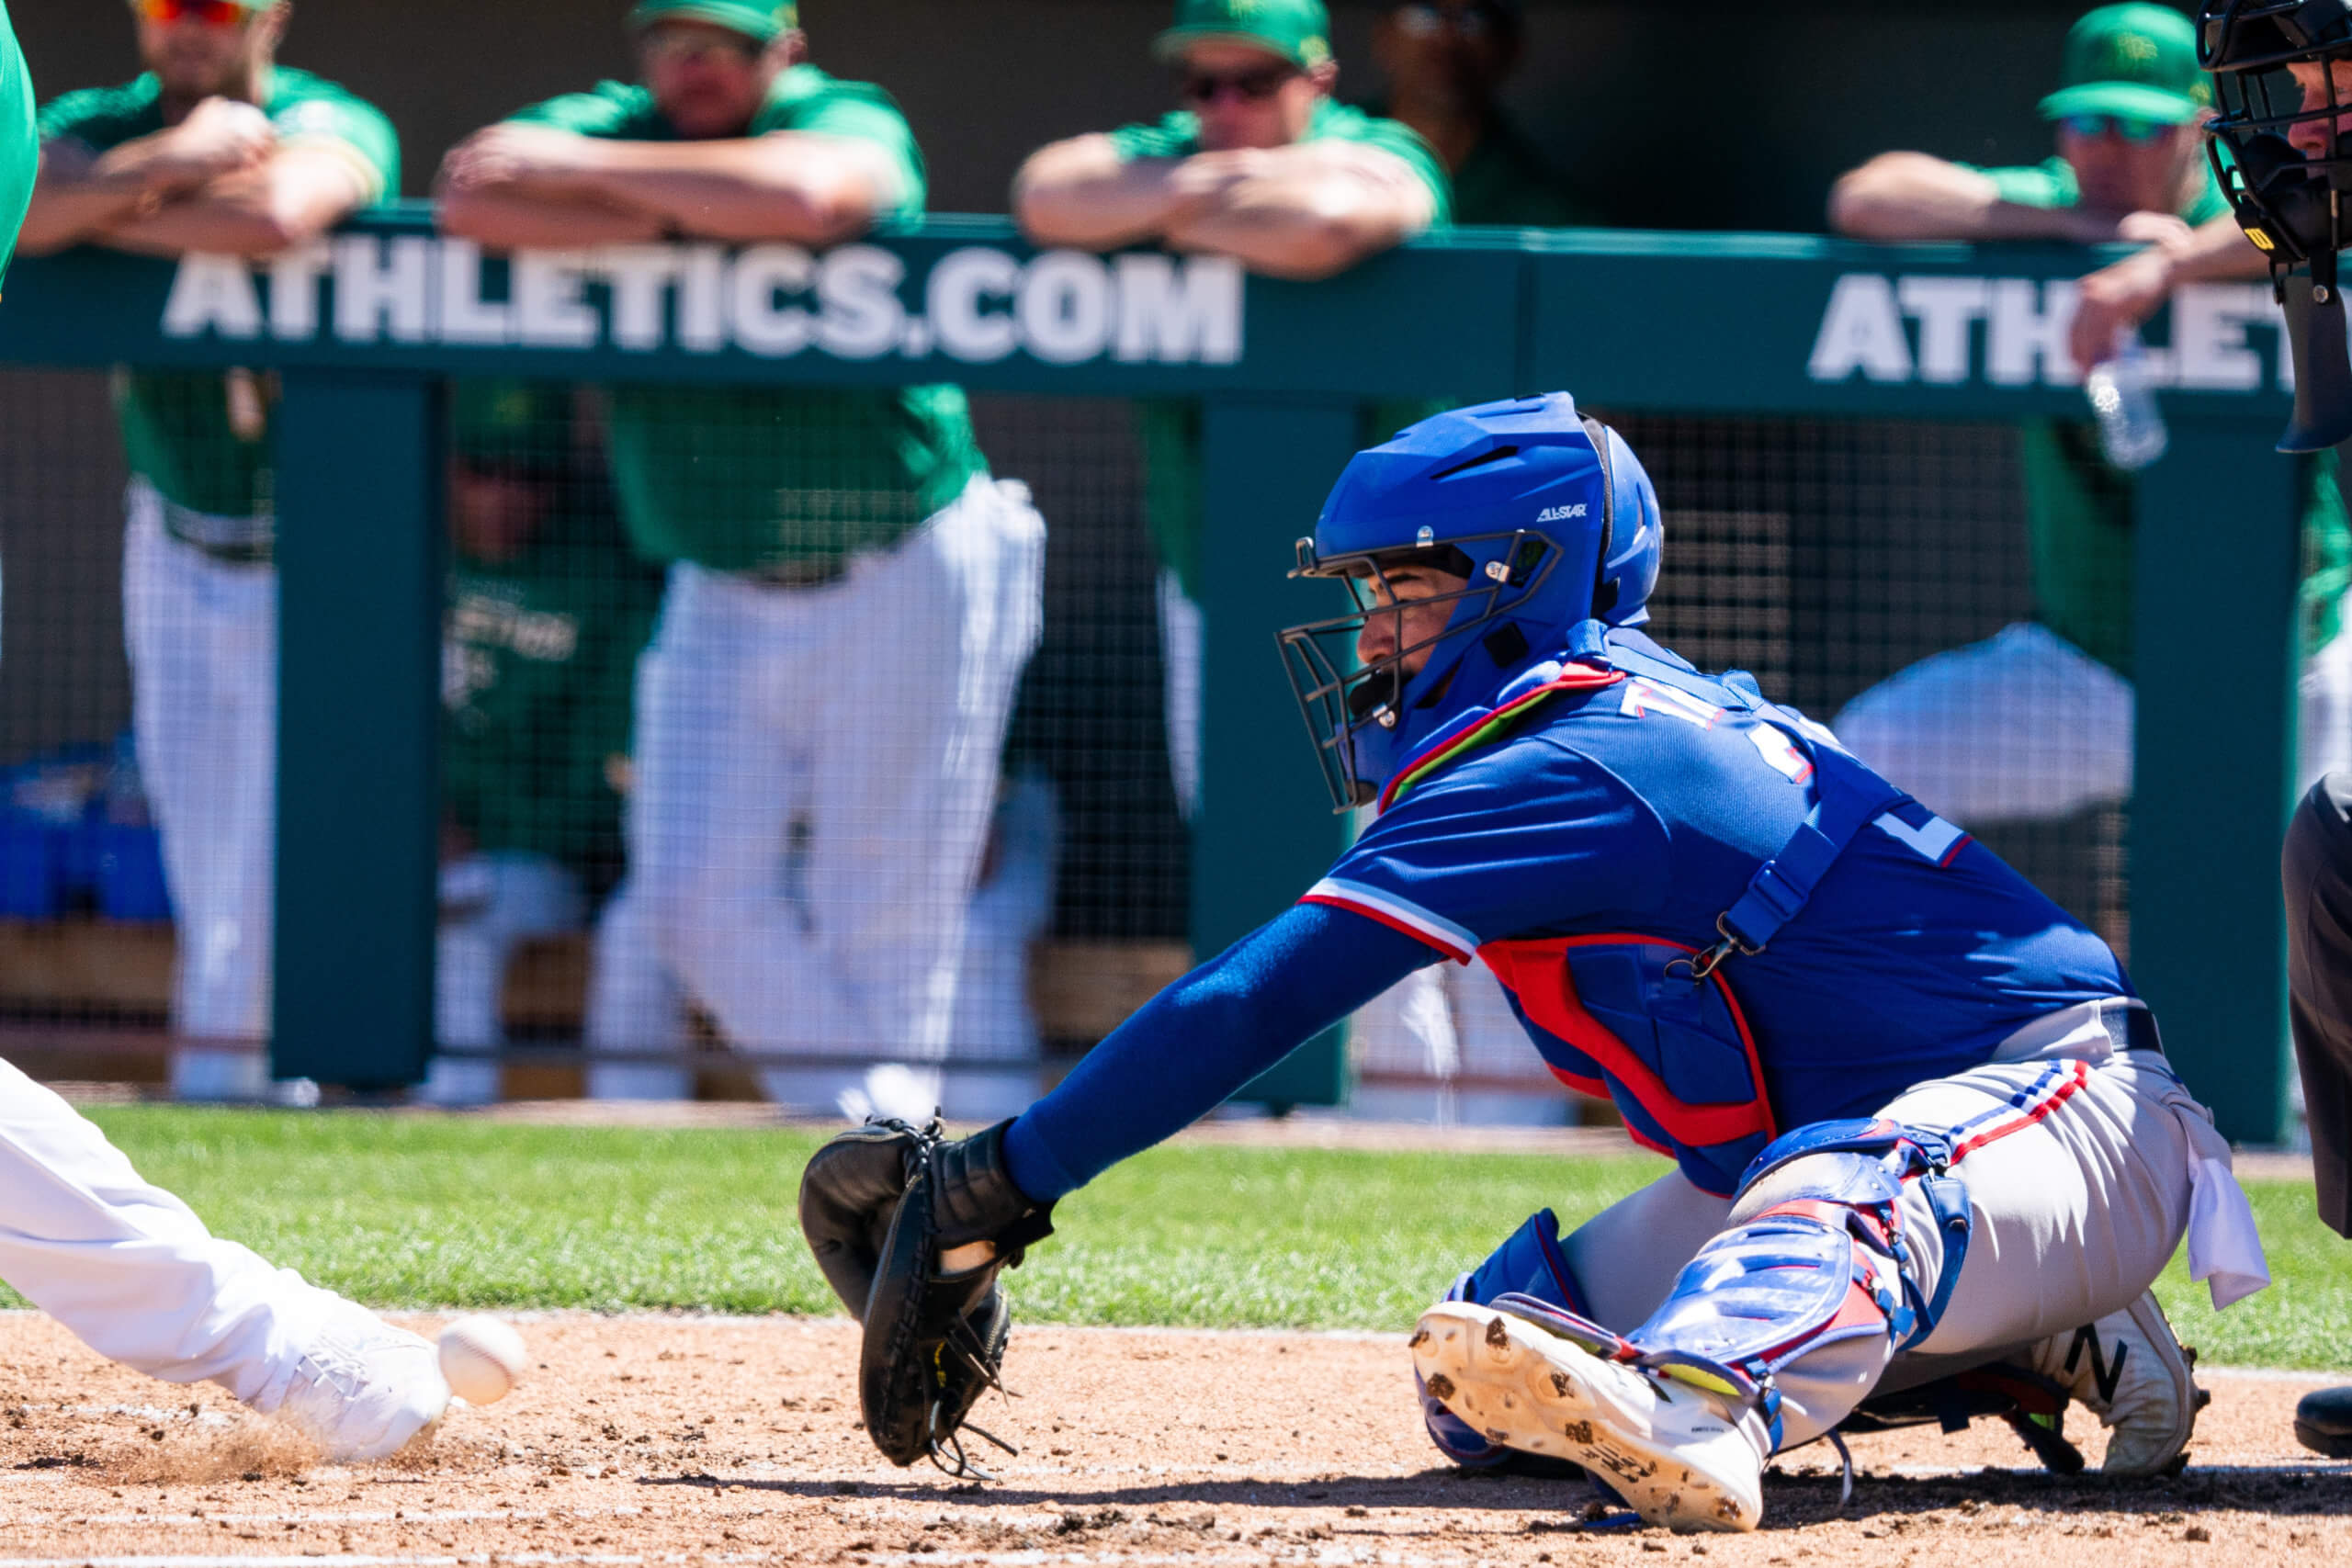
[{"x": 1608, "y": 829}]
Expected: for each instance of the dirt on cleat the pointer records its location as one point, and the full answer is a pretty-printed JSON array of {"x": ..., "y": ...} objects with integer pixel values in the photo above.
[{"x": 1670, "y": 1450}]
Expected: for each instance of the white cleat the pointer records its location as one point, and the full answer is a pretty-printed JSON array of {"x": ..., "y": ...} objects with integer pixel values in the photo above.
[
  {"x": 365, "y": 1389},
  {"x": 1671, "y": 1452},
  {"x": 2134, "y": 1375}
]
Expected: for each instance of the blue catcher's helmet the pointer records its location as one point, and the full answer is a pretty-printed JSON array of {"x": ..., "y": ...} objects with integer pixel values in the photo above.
[{"x": 1546, "y": 511}]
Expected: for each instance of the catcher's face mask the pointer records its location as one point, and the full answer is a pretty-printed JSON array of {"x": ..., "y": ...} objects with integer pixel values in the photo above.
[{"x": 1412, "y": 612}]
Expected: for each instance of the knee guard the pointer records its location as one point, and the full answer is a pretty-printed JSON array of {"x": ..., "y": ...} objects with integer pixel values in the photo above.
[
  {"x": 1815, "y": 1255},
  {"x": 1529, "y": 1263}
]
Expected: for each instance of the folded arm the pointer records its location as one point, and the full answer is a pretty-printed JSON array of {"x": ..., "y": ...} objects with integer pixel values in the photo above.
[
  {"x": 81, "y": 194},
  {"x": 1304, "y": 211},
  {"x": 1192, "y": 1046},
  {"x": 1081, "y": 193},
  {"x": 1911, "y": 195},
  {"x": 300, "y": 193},
  {"x": 513, "y": 186},
  {"x": 76, "y": 195}
]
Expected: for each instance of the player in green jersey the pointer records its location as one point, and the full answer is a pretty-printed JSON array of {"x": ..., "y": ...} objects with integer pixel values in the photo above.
[
  {"x": 851, "y": 596},
  {"x": 547, "y": 610},
  {"x": 1263, "y": 165},
  {"x": 216, "y": 147},
  {"x": 2036, "y": 722}
]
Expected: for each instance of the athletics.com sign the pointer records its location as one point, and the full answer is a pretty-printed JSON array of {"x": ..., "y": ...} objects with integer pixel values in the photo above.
[
  {"x": 978, "y": 304},
  {"x": 2011, "y": 332}
]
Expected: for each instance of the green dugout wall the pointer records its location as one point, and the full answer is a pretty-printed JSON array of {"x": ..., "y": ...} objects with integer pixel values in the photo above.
[{"x": 362, "y": 329}]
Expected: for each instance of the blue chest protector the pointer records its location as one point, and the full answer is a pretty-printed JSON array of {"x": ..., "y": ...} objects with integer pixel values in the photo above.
[
  {"x": 1848, "y": 796},
  {"x": 1652, "y": 1022}
]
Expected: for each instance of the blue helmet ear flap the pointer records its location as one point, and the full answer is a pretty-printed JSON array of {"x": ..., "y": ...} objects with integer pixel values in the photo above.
[{"x": 1604, "y": 592}]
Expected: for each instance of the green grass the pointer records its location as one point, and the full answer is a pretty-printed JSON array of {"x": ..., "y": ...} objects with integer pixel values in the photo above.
[{"x": 428, "y": 1211}]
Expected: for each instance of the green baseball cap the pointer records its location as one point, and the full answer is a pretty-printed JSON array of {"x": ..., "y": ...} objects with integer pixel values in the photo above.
[
  {"x": 1298, "y": 30},
  {"x": 760, "y": 20},
  {"x": 523, "y": 423},
  {"x": 2138, "y": 62}
]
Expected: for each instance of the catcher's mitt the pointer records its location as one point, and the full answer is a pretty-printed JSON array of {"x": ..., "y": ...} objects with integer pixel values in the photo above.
[{"x": 911, "y": 1232}]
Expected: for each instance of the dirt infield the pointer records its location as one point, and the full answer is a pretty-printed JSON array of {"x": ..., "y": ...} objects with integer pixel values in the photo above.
[{"x": 686, "y": 1439}]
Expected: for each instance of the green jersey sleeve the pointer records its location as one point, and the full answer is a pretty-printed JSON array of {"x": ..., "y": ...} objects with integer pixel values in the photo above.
[
  {"x": 19, "y": 146},
  {"x": 99, "y": 117},
  {"x": 1177, "y": 135},
  {"x": 2209, "y": 203},
  {"x": 612, "y": 109},
  {"x": 1174, "y": 136},
  {"x": 2046, "y": 185},
  {"x": 1338, "y": 122},
  {"x": 2051, "y": 184},
  {"x": 806, "y": 99},
  {"x": 324, "y": 116}
]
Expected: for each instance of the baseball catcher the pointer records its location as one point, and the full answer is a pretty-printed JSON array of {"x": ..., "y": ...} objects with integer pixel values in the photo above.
[{"x": 1928, "y": 1152}]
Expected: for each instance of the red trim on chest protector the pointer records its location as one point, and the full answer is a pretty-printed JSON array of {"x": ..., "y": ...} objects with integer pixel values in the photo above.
[
  {"x": 1572, "y": 678},
  {"x": 1555, "y": 1007}
]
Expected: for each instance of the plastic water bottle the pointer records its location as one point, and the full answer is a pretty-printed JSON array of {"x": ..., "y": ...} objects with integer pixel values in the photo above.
[{"x": 2130, "y": 427}]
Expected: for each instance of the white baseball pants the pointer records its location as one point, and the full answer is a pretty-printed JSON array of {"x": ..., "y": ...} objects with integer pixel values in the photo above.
[
  {"x": 491, "y": 904},
  {"x": 2084, "y": 1166},
  {"x": 130, "y": 1268},
  {"x": 1184, "y": 636},
  {"x": 202, "y": 636},
  {"x": 867, "y": 715},
  {"x": 2025, "y": 726}
]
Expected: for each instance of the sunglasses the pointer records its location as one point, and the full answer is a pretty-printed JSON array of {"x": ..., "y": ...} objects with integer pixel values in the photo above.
[
  {"x": 1253, "y": 86},
  {"x": 665, "y": 46},
  {"x": 210, "y": 13},
  {"x": 2139, "y": 132}
]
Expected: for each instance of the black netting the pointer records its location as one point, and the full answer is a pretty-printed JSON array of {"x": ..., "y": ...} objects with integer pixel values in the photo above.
[{"x": 1829, "y": 557}]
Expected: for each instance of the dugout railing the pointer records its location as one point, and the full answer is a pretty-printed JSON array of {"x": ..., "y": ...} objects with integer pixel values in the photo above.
[{"x": 363, "y": 331}]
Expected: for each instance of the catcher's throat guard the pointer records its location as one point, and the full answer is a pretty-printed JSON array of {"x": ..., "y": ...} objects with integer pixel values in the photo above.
[{"x": 2281, "y": 151}]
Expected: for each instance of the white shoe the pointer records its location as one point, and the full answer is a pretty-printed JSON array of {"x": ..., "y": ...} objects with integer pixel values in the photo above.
[
  {"x": 1674, "y": 1455},
  {"x": 208, "y": 1074},
  {"x": 454, "y": 1082},
  {"x": 365, "y": 1389},
  {"x": 2135, "y": 1377}
]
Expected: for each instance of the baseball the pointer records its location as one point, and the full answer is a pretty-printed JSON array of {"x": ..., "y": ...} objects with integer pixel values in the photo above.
[{"x": 482, "y": 1358}]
